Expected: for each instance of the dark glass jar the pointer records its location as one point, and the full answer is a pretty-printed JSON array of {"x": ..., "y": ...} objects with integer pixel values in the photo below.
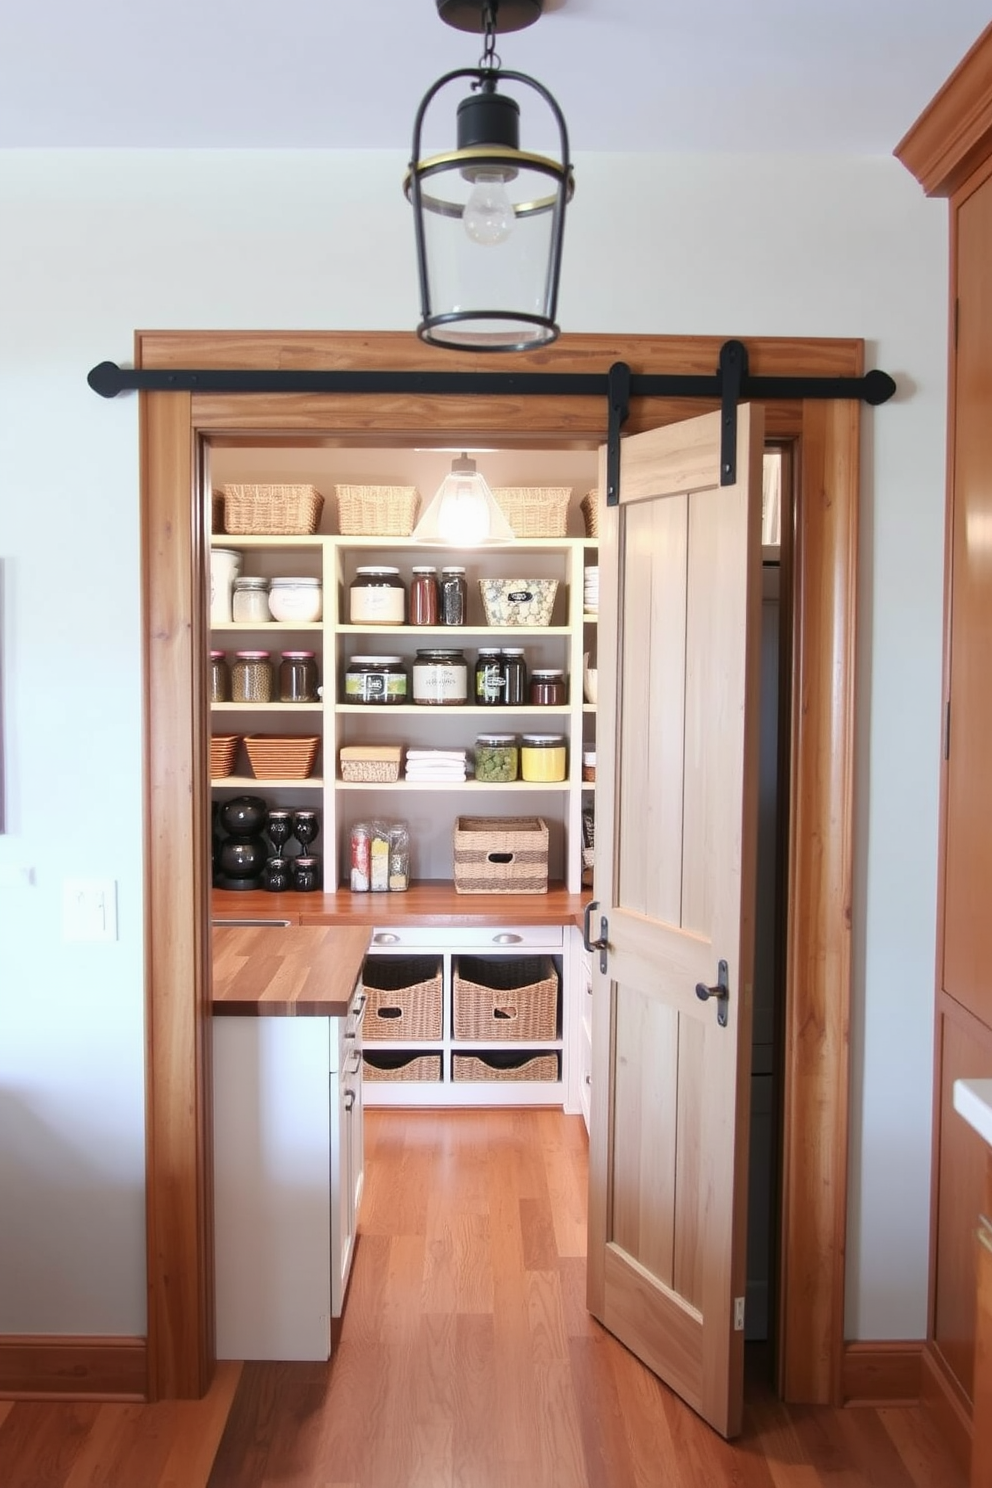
[
  {"x": 514, "y": 676},
  {"x": 547, "y": 687},
  {"x": 306, "y": 874},
  {"x": 424, "y": 598},
  {"x": 298, "y": 677},
  {"x": 278, "y": 876},
  {"x": 454, "y": 595},
  {"x": 375, "y": 679},
  {"x": 489, "y": 676}
]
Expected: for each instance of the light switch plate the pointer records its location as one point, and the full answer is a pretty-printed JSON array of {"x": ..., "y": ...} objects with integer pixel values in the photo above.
[{"x": 89, "y": 909}]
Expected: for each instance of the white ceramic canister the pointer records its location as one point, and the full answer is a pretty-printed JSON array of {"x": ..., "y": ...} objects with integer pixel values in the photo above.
[
  {"x": 225, "y": 566},
  {"x": 295, "y": 599}
]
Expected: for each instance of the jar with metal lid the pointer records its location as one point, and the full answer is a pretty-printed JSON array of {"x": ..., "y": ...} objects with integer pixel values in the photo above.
[
  {"x": 496, "y": 758},
  {"x": 424, "y": 595},
  {"x": 514, "y": 675},
  {"x": 298, "y": 677},
  {"x": 547, "y": 687},
  {"x": 296, "y": 599},
  {"x": 220, "y": 678},
  {"x": 489, "y": 676},
  {"x": 375, "y": 679},
  {"x": 542, "y": 757},
  {"x": 440, "y": 677},
  {"x": 251, "y": 677},
  {"x": 305, "y": 873},
  {"x": 377, "y": 597},
  {"x": 250, "y": 602},
  {"x": 454, "y": 595}
]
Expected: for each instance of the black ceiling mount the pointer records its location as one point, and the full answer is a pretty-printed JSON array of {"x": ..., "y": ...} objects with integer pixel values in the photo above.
[
  {"x": 508, "y": 15},
  {"x": 731, "y": 383}
]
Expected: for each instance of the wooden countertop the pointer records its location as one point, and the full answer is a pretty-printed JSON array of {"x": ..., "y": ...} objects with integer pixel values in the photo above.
[
  {"x": 425, "y": 903},
  {"x": 292, "y": 972}
]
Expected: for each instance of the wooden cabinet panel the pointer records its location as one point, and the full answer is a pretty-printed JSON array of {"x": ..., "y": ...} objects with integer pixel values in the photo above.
[
  {"x": 967, "y": 937},
  {"x": 965, "y": 1053}
]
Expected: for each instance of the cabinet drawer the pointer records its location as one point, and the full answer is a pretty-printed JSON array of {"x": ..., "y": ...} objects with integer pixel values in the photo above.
[{"x": 472, "y": 937}]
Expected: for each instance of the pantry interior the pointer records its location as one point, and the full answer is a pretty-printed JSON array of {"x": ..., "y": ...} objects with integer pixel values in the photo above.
[{"x": 448, "y": 1059}]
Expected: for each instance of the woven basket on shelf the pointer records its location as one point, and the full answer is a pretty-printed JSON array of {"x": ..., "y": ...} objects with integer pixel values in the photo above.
[
  {"x": 377, "y": 511},
  {"x": 217, "y": 511},
  {"x": 405, "y": 1067},
  {"x": 273, "y": 511},
  {"x": 281, "y": 756},
  {"x": 366, "y": 764},
  {"x": 590, "y": 513},
  {"x": 485, "y": 1067},
  {"x": 507, "y": 998},
  {"x": 535, "y": 511},
  {"x": 223, "y": 748},
  {"x": 500, "y": 855},
  {"x": 404, "y": 997}
]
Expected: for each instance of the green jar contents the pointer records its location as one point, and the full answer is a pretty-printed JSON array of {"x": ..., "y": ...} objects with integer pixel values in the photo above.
[
  {"x": 542, "y": 757},
  {"x": 496, "y": 757},
  {"x": 251, "y": 677}
]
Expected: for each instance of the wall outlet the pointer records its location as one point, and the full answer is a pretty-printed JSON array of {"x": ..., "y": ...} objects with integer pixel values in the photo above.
[{"x": 89, "y": 909}]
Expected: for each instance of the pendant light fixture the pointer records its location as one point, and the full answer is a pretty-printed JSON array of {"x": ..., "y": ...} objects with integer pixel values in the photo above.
[
  {"x": 488, "y": 216},
  {"x": 464, "y": 513}
]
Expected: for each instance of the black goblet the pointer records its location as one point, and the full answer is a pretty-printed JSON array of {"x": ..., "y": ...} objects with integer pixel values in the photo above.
[
  {"x": 279, "y": 828},
  {"x": 305, "y": 827}
]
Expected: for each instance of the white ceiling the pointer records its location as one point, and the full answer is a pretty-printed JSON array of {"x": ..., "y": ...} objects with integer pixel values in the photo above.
[{"x": 848, "y": 76}]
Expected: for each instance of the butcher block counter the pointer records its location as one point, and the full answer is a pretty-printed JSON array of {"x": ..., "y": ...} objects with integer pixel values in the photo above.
[
  {"x": 288, "y": 971},
  {"x": 426, "y": 904}
]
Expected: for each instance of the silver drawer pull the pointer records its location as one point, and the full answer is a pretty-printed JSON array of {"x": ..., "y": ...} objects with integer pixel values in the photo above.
[
  {"x": 507, "y": 939},
  {"x": 354, "y": 1063},
  {"x": 357, "y": 1015},
  {"x": 349, "y": 1100},
  {"x": 385, "y": 937}
]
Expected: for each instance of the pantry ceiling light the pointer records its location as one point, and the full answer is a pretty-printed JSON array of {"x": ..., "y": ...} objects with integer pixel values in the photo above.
[
  {"x": 488, "y": 216},
  {"x": 464, "y": 513}
]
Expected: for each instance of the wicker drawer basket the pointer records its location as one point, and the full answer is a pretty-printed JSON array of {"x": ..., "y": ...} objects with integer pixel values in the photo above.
[
  {"x": 395, "y": 1067},
  {"x": 501, "y": 855},
  {"x": 272, "y": 511},
  {"x": 535, "y": 511},
  {"x": 404, "y": 997},
  {"x": 511, "y": 997},
  {"x": 377, "y": 511},
  {"x": 590, "y": 513},
  {"x": 499, "y": 1066}
]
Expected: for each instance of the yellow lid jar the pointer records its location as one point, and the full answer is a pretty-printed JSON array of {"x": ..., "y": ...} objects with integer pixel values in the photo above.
[{"x": 542, "y": 757}]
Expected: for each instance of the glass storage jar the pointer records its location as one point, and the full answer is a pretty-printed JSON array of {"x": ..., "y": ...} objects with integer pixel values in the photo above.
[
  {"x": 496, "y": 758},
  {"x": 547, "y": 687},
  {"x": 514, "y": 675},
  {"x": 440, "y": 677},
  {"x": 220, "y": 678},
  {"x": 375, "y": 679},
  {"x": 423, "y": 596},
  {"x": 295, "y": 599},
  {"x": 542, "y": 757},
  {"x": 251, "y": 677},
  {"x": 454, "y": 595},
  {"x": 250, "y": 603},
  {"x": 489, "y": 676},
  {"x": 377, "y": 597},
  {"x": 298, "y": 677}
]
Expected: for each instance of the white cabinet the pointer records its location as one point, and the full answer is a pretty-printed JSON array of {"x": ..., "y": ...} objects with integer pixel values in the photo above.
[{"x": 287, "y": 1179}]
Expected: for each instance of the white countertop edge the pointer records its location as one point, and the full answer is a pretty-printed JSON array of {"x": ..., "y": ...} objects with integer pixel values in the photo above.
[{"x": 973, "y": 1101}]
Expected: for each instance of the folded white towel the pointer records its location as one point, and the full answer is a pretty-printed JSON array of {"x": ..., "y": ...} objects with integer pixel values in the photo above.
[{"x": 457, "y": 756}]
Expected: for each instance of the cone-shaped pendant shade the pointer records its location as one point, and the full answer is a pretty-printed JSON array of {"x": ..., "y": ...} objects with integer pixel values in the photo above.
[{"x": 464, "y": 513}]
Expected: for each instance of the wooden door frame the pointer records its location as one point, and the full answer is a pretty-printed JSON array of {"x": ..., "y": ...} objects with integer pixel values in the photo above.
[{"x": 174, "y": 543}]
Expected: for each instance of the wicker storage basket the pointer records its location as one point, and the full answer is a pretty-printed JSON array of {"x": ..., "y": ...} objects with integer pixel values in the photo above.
[
  {"x": 514, "y": 997},
  {"x": 223, "y": 748},
  {"x": 535, "y": 511},
  {"x": 590, "y": 513},
  {"x": 377, "y": 511},
  {"x": 406, "y": 1067},
  {"x": 518, "y": 601},
  {"x": 500, "y": 1065},
  {"x": 217, "y": 511},
  {"x": 404, "y": 997},
  {"x": 281, "y": 756},
  {"x": 500, "y": 855},
  {"x": 371, "y": 763},
  {"x": 272, "y": 510}
]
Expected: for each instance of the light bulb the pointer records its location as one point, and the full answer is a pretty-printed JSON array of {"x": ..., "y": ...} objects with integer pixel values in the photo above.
[
  {"x": 463, "y": 519},
  {"x": 488, "y": 216}
]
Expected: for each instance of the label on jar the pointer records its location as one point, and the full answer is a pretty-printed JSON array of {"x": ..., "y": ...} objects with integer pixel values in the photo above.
[
  {"x": 380, "y": 604},
  {"x": 375, "y": 687},
  {"x": 440, "y": 682}
]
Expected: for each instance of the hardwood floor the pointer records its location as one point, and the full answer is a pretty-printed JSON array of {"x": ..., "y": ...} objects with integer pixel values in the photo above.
[{"x": 466, "y": 1360}]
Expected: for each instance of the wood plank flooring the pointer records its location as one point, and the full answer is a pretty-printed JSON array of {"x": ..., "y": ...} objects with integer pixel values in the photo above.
[{"x": 466, "y": 1360}]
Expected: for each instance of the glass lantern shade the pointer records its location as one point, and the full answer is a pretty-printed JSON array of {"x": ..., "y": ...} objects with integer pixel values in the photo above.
[
  {"x": 463, "y": 513},
  {"x": 489, "y": 221}
]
